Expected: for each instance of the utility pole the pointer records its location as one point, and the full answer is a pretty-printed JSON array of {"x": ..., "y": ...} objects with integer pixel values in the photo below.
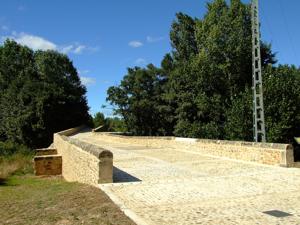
[{"x": 259, "y": 131}]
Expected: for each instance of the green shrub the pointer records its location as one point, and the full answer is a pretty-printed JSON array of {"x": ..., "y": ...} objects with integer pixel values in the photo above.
[
  {"x": 9, "y": 148},
  {"x": 14, "y": 159}
]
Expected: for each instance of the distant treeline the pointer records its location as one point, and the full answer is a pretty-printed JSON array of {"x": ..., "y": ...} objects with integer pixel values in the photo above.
[
  {"x": 108, "y": 124},
  {"x": 203, "y": 87}
]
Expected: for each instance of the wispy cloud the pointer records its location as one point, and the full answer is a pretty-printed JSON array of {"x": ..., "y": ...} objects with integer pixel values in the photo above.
[
  {"x": 40, "y": 43},
  {"x": 67, "y": 49},
  {"x": 140, "y": 61},
  {"x": 74, "y": 48},
  {"x": 78, "y": 49},
  {"x": 151, "y": 39},
  {"x": 135, "y": 44},
  {"x": 34, "y": 42},
  {"x": 87, "y": 81},
  {"x": 82, "y": 72}
]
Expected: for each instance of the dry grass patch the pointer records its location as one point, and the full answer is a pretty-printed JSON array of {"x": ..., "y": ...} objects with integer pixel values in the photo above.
[
  {"x": 17, "y": 163},
  {"x": 32, "y": 200},
  {"x": 14, "y": 159}
]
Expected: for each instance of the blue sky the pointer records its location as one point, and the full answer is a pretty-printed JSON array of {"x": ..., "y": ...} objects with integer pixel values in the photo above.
[{"x": 103, "y": 38}]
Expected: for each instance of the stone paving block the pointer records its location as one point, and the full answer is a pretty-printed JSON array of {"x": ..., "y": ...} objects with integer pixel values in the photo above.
[{"x": 184, "y": 188}]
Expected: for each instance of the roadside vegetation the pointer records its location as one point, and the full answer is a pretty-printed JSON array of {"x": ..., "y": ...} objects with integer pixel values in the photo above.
[
  {"x": 203, "y": 87},
  {"x": 14, "y": 159}
]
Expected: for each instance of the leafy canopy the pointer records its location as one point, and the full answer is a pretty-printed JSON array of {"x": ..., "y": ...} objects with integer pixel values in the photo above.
[
  {"x": 40, "y": 93},
  {"x": 203, "y": 88}
]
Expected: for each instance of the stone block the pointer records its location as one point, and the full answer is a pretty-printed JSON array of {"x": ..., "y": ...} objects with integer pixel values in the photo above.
[
  {"x": 48, "y": 165},
  {"x": 46, "y": 151}
]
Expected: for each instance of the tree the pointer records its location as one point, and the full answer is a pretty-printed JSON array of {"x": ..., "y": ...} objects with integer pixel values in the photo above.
[
  {"x": 239, "y": 118},
  {"x": 99, "y": 119},
  {"x": 218, "y": 68},
  {"x": 281, "y": 101},
  {"x": 138, "y": 100},
  {"x": 41, "y": 94},
  {"x": 203, "y": 88},
  {"x": 116, "y": 124}
]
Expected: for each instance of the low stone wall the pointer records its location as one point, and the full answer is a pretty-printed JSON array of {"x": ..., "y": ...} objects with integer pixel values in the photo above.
[
  {"x": 82, "y": 162},
  {"x": 265, "y": 153}
]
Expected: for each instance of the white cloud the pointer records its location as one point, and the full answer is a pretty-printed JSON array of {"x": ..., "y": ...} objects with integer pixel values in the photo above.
[
  {"x": 34, "y": 42},
  {"x": 79, "y": 49},
  {"x": 154, "y": 39},
  {"x": 40, "y": 43},
  {"x": 81, "y": 72},
  {"x": 140, "y": 61},
  {"x": 67, "y": 49},
  {"x": 135, "y": 44},
  {"x": 87, "y": 81}
]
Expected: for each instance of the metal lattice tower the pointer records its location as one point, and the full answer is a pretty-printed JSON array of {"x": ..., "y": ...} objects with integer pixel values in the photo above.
[{"x": 258, "y": 104}]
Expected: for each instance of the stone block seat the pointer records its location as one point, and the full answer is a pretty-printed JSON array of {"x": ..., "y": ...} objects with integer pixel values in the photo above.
[{"x": 47, "y": 162}]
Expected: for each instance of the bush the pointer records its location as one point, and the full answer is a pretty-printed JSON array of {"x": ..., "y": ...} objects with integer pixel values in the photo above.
[
  {"x": 9, "y": 148},
  {"x": 14, "y": 159}
]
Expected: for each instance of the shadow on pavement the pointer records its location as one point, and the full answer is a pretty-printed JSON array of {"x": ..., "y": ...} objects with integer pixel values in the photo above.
[{"x": 120, "y": 176}]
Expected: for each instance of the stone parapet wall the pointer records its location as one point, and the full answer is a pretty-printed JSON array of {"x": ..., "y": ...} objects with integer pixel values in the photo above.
[
  {"x": 265, "y": 153},
  {"x": 82, "y": 162},
  {"x": 71, "y": 131}
]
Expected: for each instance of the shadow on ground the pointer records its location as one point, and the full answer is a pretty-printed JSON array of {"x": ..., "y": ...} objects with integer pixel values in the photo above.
[
  {"x": 3, "y": 181},
  {"x": 120, "y": 176}
]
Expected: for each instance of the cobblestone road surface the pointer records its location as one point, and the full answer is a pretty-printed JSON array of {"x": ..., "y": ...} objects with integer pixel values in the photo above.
[{"x": 167, "y": 186}]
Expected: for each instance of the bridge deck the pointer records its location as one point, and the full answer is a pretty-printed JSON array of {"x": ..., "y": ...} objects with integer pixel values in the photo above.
[{"x": 167, "y": 186}]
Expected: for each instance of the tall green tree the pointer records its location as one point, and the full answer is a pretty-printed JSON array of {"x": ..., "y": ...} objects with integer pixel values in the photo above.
[
  {"x": 41, "y": 93},
  {"x": 138, "y": 99},
  {"x": 281, "y": 101},
  {"x": 99, "y": 119},
  {"x": 219, "y": 67},
  {"x": 204, "y": 85}
]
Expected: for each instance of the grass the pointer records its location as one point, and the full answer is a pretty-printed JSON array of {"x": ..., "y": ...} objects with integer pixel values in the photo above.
[
  {"x": 14, "y": 159},
  {"x": 51, "y": 200},
  {"x": 27, "y": 199},
  {"x": 15, "y": 164}
]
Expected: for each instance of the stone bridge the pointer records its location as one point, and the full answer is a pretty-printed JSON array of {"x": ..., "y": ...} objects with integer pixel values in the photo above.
[{"x": 187, "y": 181}]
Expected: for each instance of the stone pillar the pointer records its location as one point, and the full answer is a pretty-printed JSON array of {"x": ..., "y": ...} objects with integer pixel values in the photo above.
[{"x": 105, "y": 167}]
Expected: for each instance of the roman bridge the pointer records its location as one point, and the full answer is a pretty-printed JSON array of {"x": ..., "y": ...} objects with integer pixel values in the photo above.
[{"x": 168, "y": 180}]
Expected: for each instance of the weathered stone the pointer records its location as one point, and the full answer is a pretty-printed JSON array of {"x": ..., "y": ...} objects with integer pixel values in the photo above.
[
  {"x": 265, "y": 153},
  {"x": 183, "y": 185},
  {"x": 83, "y": 162},
  {"x": 48, "y": 165},
  {"x": 46, "y": 151}
]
